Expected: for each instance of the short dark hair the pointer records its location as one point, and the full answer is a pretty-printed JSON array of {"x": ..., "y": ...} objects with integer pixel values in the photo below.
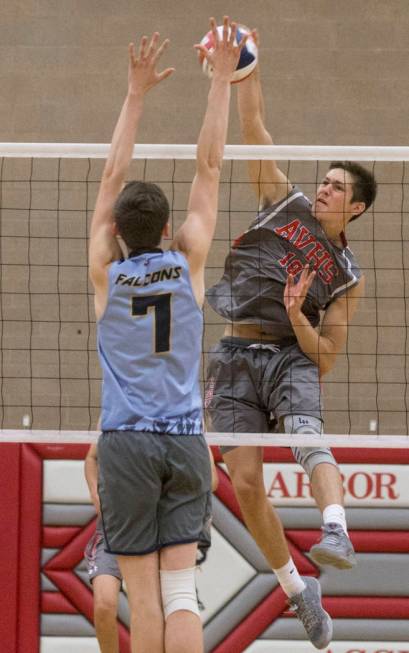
[
  {"x": 364, "y": 187},
  {"x": 141, "y": 211}
]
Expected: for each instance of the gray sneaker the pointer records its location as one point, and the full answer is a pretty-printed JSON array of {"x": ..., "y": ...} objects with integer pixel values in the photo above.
[
  {"x": 308, "y": 609},
  {"x": 335, "y": 548}
]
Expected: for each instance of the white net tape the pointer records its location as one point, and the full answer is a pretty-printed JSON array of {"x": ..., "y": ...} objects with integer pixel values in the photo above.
[
  {"x": 231, "y": 152},
  {"x": 224, "y": 439}
]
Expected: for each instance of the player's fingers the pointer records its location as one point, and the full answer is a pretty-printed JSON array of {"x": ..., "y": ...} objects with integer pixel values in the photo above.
[
  {"x": 142, "y": 47},
  {"x": 310, "y": 280},
  {"x": 161, "y": 49},
  {"x": 213, "y": 27},
  {"x": 201, "y": 49},
  {"x": 255, "y": 36},
  {"x": 131, "y": 53},
  {"x": 243, "y": 41},
  {"x": 153, "y": 44},
  {"x": 165, "y": 73},
  {"x": 233, "y": 33},
  {"x": 304, "y": 274},
  {"x": 225, "y": 29}
]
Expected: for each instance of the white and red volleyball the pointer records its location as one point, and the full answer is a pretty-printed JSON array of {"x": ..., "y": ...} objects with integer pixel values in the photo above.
[{"x": 248, "y": 55}]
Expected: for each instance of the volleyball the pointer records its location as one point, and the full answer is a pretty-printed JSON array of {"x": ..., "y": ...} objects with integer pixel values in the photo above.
[{"x": 248, "y": 55}]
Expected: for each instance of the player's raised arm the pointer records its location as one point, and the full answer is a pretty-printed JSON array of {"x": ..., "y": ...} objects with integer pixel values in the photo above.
[
  {"x": 195, "y": 235},
  {"x": 270, "y": 183},
  {"x": 142, "y": 76}
]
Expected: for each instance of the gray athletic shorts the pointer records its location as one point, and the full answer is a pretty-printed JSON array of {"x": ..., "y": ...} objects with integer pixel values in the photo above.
[
  {"x": 250, "y": 387},
  {"x": 154, "y": 489},
  {"x": 99, "y": 562}
]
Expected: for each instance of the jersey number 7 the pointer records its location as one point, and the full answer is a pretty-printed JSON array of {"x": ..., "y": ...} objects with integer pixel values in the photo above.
[{"x": 162, "y": 314}]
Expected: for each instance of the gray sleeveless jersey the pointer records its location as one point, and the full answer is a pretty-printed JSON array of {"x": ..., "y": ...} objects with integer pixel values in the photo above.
[{"x": 280, "y": 241}]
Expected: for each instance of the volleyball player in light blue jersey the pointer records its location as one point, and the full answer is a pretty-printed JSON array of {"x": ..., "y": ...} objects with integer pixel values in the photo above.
[
  {"x": 154, "y": 470},
  {"x": 152, "y": 322}
]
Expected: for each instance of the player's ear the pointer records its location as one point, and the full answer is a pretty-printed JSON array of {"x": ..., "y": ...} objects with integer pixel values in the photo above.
[
  {"x": 166, "y": 230},
  {"x": 357, "y": 208},
  {"x": 114, "y": 228}
]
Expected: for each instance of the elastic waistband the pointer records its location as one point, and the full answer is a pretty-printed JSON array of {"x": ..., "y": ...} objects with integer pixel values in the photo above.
[{"x": 245, "y": 343}]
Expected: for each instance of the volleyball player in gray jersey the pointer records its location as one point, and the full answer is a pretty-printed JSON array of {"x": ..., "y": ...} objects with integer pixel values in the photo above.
[{"x": 290, "y": 265}]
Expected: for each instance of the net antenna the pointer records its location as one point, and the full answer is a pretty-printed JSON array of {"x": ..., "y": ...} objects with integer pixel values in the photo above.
[{"x": 50, "y": 378}]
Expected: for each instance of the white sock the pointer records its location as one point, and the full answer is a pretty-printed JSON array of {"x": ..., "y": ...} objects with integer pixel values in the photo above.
[
  {"x": 335, "y": 514},
  {"x": 289, "y": 578}
]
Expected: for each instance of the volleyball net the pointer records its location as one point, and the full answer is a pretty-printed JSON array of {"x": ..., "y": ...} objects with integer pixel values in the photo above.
[{"x": 50, "y": 377}]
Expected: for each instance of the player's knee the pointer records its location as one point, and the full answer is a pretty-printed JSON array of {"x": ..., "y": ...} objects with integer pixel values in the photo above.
[
  {"x": 178, "y": 588},
  {"x": 308, "y": 457},
  {"x": 105, "y": 606},
  {"x": 248, "y": 485}
]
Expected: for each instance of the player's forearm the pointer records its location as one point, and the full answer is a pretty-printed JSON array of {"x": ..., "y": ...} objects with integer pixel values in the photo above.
[
  {"x": 249, "y": 99},
  {"x": 123, "y": 138},
  {"x": 317, "y": 348},
  {"x": 212, "y": 137}
]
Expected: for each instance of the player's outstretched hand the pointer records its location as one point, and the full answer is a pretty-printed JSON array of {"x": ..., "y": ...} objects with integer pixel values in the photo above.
[
  {"x": 142, "y": 73},
  {"x": 296, "y": 292},
  {"x": 226, "y": 53}
]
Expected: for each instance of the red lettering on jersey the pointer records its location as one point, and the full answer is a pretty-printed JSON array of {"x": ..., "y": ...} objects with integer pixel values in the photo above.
[
  {"x": 295, "y": 267},
  {"x": 315, "y": 252},
  {"x": 328, "y": 271},
  {"x": 304, "y": 238},
  {"x": 286, "y": 259},
  {"x": 318, "y": 255},
  {"x": 288, "y": 231}
]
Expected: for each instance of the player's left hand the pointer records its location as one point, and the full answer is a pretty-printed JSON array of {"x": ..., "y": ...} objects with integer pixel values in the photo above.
[
  {"x": 142, "y": 73},
  {"x": 296, "y": 292}
]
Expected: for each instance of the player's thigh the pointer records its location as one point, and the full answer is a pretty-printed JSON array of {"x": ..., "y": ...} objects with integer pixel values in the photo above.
[
  {"x": 130, "y": 470},
  {"x": 186, "y": 490},
  {"x": 141, "y": 574},
  {"x": 296, "y": 389},
  {"x": 232, "y": 399}
]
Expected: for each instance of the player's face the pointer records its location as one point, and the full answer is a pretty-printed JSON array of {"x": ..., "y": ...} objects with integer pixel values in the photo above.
[{"x": 332, "y": 204}]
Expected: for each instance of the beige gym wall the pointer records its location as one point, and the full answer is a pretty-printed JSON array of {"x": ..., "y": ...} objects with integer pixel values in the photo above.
[{"x": 334, "y": 71}]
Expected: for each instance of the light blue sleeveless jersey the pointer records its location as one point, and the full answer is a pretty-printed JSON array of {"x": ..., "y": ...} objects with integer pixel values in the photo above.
[{"x": 149, "y": 344}]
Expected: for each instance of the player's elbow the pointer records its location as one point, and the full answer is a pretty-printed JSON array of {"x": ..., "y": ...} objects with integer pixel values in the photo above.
[{"x": 326, "y": 362}]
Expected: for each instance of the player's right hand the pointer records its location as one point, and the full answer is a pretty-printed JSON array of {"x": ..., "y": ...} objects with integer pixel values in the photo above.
[{"x": 142, "y": 73}]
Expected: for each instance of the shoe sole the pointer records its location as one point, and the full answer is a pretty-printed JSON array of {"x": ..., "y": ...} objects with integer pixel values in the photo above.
[
  {"x": 327, "y": 642},
  {"x": 330, "y": 634},
  {"x": 325, "y": 557}
]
